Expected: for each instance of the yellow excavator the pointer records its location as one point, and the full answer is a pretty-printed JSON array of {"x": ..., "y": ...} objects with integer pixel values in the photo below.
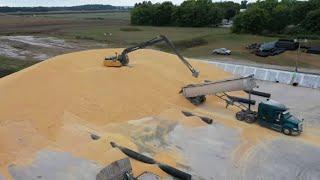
[{"x": 123, "y": 59}]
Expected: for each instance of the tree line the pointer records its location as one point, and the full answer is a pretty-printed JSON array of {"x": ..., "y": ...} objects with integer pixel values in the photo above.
[
  {"x": 279, "y": 17},
  {"x": 93, "y": 7},
  {"x": 191, "y": 13}
]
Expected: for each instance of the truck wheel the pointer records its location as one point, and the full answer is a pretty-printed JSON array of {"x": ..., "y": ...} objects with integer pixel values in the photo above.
[
  {"x": 240, "y": 116},
  {"x": 250, "y": 118},
  {"x": 286, "y": 131}
]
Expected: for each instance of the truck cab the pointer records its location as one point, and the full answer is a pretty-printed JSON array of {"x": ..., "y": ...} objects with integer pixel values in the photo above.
[{"x": 276, "y": 116}]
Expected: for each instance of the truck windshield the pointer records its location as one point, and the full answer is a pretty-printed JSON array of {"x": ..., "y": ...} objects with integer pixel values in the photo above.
[{"x": 286, "y": 115}]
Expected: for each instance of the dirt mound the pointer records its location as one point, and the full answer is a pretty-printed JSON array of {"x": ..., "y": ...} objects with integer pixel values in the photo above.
[{"x": 45, "y": 105}]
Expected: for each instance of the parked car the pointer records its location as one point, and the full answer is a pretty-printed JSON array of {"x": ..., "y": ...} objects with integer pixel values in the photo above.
[
  {"x": 314, "y": 50},
  {"x": 287, "y": 44},
  {"x": 253, "y": 46},
  {"x": 221, "y": 51},
  {"x": 262, "y": 53},
  {"x": 277, "y": 51}
]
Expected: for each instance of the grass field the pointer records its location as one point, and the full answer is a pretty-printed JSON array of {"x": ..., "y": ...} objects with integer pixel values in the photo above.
[
  {"x": 9, "y": 65},
  {"x": 193, "y": 42}
]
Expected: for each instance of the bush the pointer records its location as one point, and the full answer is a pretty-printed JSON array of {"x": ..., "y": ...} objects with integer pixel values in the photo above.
[
  {"x": 84, "y": 37},
  {"x": 184, "y": 44},
  {"x": 129, "y": 29},
  {"x": 190, "y": 43}
]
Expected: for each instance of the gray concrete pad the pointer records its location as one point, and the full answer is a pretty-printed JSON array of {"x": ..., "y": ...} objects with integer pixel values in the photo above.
[
  {"x": 284, "y": 159},
  {"x": 208, "y": 152},
  {"x": 50, "y": 165},
  {"x": 207, "y": 149}
]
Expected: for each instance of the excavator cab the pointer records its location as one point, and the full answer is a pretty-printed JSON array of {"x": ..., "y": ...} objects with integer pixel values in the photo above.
[{"x": 116, "y": 61}]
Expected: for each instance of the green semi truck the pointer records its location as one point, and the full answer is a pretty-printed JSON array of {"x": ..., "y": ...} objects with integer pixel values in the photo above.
[{"x": 273, "y": 115}]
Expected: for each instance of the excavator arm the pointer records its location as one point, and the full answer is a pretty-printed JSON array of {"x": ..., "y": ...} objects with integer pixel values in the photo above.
[{"x": 124, "y": 59}]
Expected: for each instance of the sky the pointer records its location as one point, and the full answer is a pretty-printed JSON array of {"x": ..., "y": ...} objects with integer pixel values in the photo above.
[{"x": 78, "y": 2}]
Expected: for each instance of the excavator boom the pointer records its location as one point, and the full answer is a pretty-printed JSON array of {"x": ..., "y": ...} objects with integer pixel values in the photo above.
[{"x": 123, "y": 59}]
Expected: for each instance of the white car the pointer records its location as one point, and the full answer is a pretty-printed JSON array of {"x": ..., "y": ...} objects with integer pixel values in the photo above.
[{"x": 221, "y": 51}]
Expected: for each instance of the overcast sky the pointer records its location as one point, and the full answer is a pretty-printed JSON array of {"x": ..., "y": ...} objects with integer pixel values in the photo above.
[{"x": 78, "y": 2}]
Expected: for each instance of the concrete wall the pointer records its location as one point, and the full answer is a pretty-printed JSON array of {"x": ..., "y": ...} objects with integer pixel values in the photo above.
[{"x": 305, "y": 80}]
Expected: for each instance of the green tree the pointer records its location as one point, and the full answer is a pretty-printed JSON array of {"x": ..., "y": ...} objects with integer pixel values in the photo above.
[
  {"x": 300, "y": 9},
  {"x": 163, "y": 14},
  {"x": 184, "y": 14},
  {"x": 142, "y": 13},
  {"x": 254, "y": 20},
  {"x": 281, "y": 17},
  {"x": 215, "y": 15},
  {"x": 267, "y": 5},
  {"x": 276, "y": 16},
  {"x": 243, "y": 4},
  {"x": 228, "y": 8},
  {"x": 197, "y": 13},
  {"x": 312, "y": 21}
]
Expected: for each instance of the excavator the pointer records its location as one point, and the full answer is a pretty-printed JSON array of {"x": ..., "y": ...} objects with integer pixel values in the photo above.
[{"x": 123, "y": 59}]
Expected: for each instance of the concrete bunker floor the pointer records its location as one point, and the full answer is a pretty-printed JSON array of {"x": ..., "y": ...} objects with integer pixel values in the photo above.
[{"x": 49, "y": 111}]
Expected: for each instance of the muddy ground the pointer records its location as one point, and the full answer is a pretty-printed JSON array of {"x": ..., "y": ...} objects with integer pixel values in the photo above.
[{"x": 38, "y": 48}]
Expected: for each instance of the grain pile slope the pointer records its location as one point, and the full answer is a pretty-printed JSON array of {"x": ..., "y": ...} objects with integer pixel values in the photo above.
[{"x": 35, "y": 101}]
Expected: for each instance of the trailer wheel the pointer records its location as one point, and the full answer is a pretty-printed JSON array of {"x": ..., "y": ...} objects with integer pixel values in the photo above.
[
  {"x": 197, "y": 100},
  {"x": 286, "y": 131},
  {"x": 240, "y": 116},
  {"x": 250, "y": 118}
]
